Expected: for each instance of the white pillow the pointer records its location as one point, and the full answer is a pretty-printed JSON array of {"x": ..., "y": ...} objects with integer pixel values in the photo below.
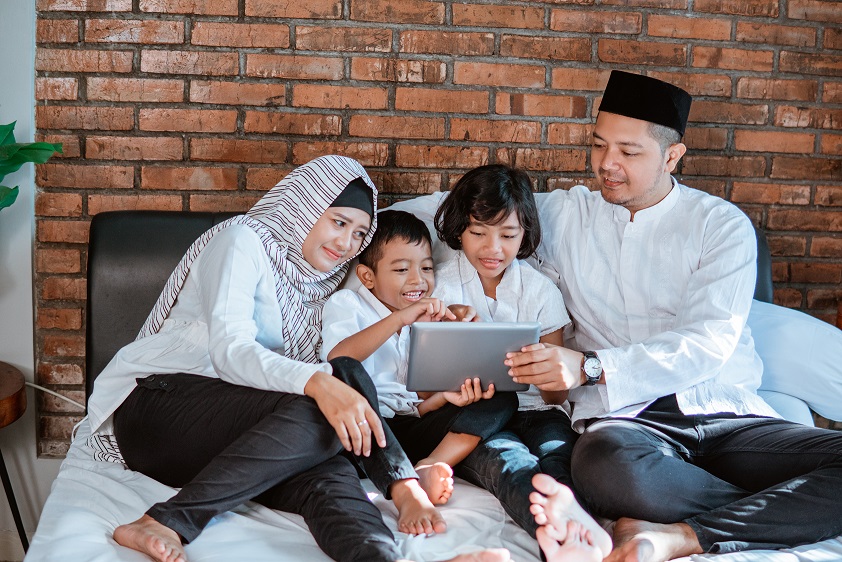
[{"x": 802, "y": 356}]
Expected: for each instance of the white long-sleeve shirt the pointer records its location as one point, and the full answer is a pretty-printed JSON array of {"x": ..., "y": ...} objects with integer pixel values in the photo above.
[{"x": 226, "y": 324}]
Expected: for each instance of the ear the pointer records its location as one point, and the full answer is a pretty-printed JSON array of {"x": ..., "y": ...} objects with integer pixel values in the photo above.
[
  {"x": 366, "y": 276},
  {"x": 674, "y": 154}
]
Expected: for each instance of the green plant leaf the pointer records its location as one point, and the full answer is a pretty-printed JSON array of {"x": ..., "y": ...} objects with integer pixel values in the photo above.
[
  {"x": 13, "y": 156},
  {"x": 7, "y": 196},
  {"x": 7, "y": 136}
]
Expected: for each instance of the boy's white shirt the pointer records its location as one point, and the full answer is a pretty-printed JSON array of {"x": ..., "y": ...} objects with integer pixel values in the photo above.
[{"x": 347, "y": 312}]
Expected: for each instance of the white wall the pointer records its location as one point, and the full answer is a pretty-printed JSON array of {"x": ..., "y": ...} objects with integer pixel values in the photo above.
[{"x": 31, "y": 477}]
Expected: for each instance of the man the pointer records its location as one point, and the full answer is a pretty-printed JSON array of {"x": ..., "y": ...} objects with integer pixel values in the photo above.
[{"x": 658, "y": 279}]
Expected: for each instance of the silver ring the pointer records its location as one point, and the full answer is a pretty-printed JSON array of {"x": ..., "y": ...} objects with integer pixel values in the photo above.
[{"x": 364, "y": 422}]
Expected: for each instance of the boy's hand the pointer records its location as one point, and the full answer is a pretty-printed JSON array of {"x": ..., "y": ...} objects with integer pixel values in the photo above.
[
  {"x": 428, "y": 309},
  {"x": 464, "y": 312},
  {"x": 469, "y": 392}
]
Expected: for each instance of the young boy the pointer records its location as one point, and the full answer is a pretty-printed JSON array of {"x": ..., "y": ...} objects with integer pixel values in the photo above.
[{"x": 437, "y": 430}]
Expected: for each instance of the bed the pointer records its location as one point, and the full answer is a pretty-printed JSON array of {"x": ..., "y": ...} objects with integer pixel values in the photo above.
[{"x": 131, "y": 253}]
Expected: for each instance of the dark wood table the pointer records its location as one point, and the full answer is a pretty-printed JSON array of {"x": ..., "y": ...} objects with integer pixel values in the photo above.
[{"x": 12, "y": 407}]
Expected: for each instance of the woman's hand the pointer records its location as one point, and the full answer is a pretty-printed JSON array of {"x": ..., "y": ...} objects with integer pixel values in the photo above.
[
  {"x": 469, "y": 392},
  {"x": 347, "y": 411}
]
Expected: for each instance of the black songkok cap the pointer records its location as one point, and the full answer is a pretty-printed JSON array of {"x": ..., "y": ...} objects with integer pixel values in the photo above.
[
  {"x": 648, "y": 99},
  {"x": 357, "y": 195}
]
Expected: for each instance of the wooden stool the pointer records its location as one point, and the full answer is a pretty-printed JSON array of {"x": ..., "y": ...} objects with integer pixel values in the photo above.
[{"x": 12, "y": 406}]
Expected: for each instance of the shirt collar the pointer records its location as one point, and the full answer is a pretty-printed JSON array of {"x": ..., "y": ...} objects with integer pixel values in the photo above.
[
  {"x": 373, "y": 302},
  {"x": 654, "y": 212}
]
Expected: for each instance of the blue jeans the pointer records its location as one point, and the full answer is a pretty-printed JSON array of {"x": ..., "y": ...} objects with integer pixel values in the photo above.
[{"x": 532, "y": 442}]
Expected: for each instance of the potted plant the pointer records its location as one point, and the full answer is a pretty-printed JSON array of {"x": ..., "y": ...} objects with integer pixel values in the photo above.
[{"x": 14, "y": 155}]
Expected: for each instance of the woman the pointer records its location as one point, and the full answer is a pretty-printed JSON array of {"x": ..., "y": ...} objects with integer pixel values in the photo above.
[{"x": 222, "y": 394}]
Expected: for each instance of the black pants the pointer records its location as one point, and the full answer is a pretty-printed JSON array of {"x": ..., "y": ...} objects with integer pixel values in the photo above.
[
  {"x": 740, "y": 482},
  {"x": 225, "y": 444}
]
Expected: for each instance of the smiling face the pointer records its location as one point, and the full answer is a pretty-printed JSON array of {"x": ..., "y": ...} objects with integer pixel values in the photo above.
[
  {"x": 402, "y": 276},
  {"x": 491, "y": 248},
  {"x": 335, "y": 238},
  {"x": 631, "y": 168}
]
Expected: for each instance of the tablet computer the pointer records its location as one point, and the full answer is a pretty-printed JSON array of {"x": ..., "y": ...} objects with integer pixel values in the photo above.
[{"x": 443, "y": 354}]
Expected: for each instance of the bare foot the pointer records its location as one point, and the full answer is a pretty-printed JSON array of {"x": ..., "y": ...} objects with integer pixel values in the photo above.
[
  {"x": 146, "y": 535},
  {"x": 416, "y": 514},
  {"x": 436, "y": 478},
  {"x": 641, "y": 541},
  {"x": 575, "y": 546},
  {"x": 554, "y": 503},
  {"x": 490, "y": 555}
]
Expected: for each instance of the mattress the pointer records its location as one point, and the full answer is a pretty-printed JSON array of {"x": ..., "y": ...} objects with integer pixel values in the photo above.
[{"x": 90, "y": 498}]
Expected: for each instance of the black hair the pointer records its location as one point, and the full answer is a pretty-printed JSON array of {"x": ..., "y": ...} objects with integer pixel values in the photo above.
[
  {"x": 393, "y": 225},
  {"x": 665, "y": 136},
  {"x": 489, "y": 194}
]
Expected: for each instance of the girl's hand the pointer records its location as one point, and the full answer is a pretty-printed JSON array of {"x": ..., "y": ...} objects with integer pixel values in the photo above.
[
  {"x": 464, "y": 312},
  {"x": 469, "y": 392},
  {"x": 347, "y": 411},
  {"x": 428, "y": 309}
]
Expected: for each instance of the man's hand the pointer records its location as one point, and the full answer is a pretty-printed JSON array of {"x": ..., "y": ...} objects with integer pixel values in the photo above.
[
  {"x": 347, "y": 411},
  {"x": 549, "y": 367},
  {"x": 469, "y": 392},
  {"x": 428, "y": 309},
  {"x": 464, "y": 312}
]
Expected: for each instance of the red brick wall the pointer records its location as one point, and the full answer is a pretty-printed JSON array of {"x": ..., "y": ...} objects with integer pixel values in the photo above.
[{"x": 204, "y": 104}]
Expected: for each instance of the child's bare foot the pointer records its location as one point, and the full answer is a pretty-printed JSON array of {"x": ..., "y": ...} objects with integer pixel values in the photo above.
[
  {"x": 576, "y": 544},
  {"x": 554, "y": 503},
  {"x": 157, "y": 541},
  {"x": 436, "y": 478},
  {"x": 642, "y": 541},
  {"x": 416, "y": 514}
]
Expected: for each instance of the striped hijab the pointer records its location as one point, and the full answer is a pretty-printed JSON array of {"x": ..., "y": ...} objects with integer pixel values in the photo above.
[{"x": 282, "y": 219}]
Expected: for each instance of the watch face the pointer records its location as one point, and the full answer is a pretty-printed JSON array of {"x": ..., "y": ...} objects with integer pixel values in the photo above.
[{"x": 592, "y": 367}]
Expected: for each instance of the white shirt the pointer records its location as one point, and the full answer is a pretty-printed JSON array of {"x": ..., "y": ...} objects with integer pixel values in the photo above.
[
  {"x": 346, "y": 313},
  {"x": 523, "y": 295},
  {"x": 226, "y": 324}
]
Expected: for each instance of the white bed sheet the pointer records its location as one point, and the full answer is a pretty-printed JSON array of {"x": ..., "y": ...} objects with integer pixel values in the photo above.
[{"x": 90, "y": 498}]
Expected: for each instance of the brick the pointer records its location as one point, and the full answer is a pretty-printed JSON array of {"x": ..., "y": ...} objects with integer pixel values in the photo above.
[
  {"x": 435, "y": 156},
  {"x": 85, "y": 177},
  {"x": 52, "y": 404},
  {"x": 447, "y": 101},
  {"x": 198, "y": 7},
  {"x": 414, "y": 183},
  {"x": 807, "y": 117},
  {"x": 624, "y": 51},
  {"x": 69, "y": 232},
  {"x": 689, "y": 28},
  {"x": 48, "y": 449},
  {"x": 134, "y": 31},
  {"x": 263, "y": 179},
  {"x": 63, "y": 288},
  {"x": 717, "y": 188},
  {"x": 248, "y": 35},
  {"x": 540, "y": 105},
  {"x": 487, "y": 130},
  {"x": 339, "y": 97},
  {"x": 774, "y": 89},
  {"x": 184, "y": 178},
  {"x": 816, "y": 273},
  {"x": 395, "y": 70},
  {"x": 56, "y": 31},
  {"x": 810, "y": 63},
  {"x": 789, "y": 298},
  {"x": 133, "y": 148},
  {"x": 728, "y": 112},
  {"x": 68, "y": 60},
  {"x": 787, "y": 245},
  {"x": 237, "y": 93},
  {"x": 56, "y": 88},
  {"x": 832, "y": 38},
  {"x": 135, "y": 90},
  {"x": 815, "y": 10},
  {"x": 804, "y": 221},
  {"x": 446, "y": 43},
  {"x": 494, "y": 74},
  {"x": 665, "y": 4},
  {"x": 405, "y": 11},
  {"x": 754, "y": 8},
  {"x": 550, "y": 160},
  {"x": 707, "y": 138},
  {"x": 593, "y": 21},
  {"x": 780, "y": 273},
  {"x": 396, "y": 126},
  {"x": 773, "y": 141},
  {"x": 563, "y": 182},
  {"x": 832, "y": 92},
  {"x": 732, "y": 59},
  {"x": 59, "y": 318},
  {"x": 222, "y": 203},
  {"x": 569, "y": 134},
  {"x": 58, "y": 205},
  {"x": 227, "y": 150},
  {"x": 312, "y": 9},
  {"x": 806, "y": 168},
  {"x": 56, "y": 427},
  {"x": 823, "y": 298},
  {"x": 366, "y": 153},
  {"x": 310, "y": 124},
  {"x": 552, "y": 48},
  {"x": 293, "y": 67},
  {"x": 712, "y": 85},
  {"x": 579, "y": 79},
  {"x": 829, "y": 196},
  {"x": 724, "y": 166},
  {"x": 60, "y": 373},
  {"x": 490, "y": 16},
  {"x": 774, "y": 34},
  {"x": 101, "y": 203},
  {"x": 75, "y": 117},
  {"x": 70, "y": 145},
  {"x": 58, "y": 261},
  {"x": 188, "y": 120},
  {"x": 83, "y": 5},
  {"x": 189, "y": 62},
  {"x": 831, "y": 144},
  {"x": 343, "y": 39},
  {"x": 770, "y": 194},
  {"x": 826, "y": 247}
]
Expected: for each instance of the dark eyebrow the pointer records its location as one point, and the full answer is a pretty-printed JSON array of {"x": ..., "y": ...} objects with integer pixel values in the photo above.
[
  {"x": 624, "y": 143},
  {"x": 344, "y": 218}
]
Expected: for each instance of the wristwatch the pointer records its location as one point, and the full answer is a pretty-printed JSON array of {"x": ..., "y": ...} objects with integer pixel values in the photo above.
[{"x": 591, "y": 368}]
